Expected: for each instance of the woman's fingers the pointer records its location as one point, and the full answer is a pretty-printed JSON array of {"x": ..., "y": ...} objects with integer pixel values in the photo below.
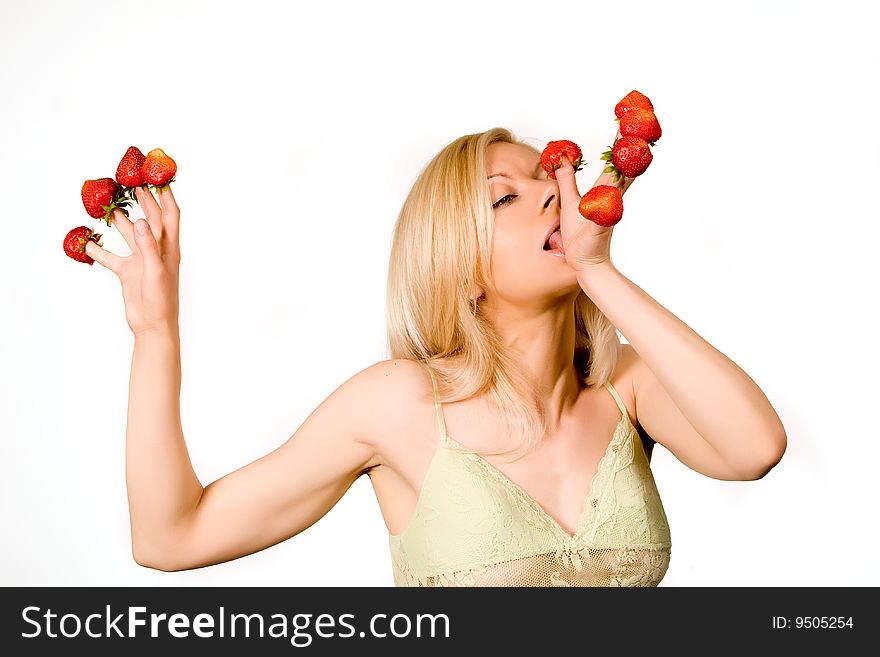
[
  {"x": 149, "y": 247},
  {"x": 152, "y": 211},
  {"x": 568, "y": 190},
  {"x": 144, "y": 242},
  {"x": 570, "y": 220},
  {"x": 163, "y": 216},
  {"x": 103, "y": 257},
  {"x": 125, "y": 227},
  {"x": 170, "y": 215}
]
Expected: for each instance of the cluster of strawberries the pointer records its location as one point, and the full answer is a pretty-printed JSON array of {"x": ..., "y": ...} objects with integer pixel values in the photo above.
[
  {"x": 630, "y": 156},
  {"x": 100, "y": 197}
]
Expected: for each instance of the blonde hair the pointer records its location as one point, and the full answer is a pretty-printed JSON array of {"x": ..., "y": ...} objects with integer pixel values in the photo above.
[{"x": 441, "y": 251}]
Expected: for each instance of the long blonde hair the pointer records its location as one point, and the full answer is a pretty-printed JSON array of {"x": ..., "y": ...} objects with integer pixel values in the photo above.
[{"x": 441, "y": 248}]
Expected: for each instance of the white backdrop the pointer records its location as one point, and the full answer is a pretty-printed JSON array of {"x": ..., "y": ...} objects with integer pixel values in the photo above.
[{"x": 298, "y": 129}]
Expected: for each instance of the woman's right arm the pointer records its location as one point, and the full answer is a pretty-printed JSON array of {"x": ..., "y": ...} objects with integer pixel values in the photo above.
[{"x": 176, "y": 523}]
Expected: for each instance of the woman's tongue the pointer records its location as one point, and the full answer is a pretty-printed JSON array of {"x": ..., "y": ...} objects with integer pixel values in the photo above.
[{"x": 555, "y": 241}]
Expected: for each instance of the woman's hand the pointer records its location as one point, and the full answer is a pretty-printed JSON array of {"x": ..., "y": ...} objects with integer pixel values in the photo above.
[
  {"x": 586, "y": 244},
  {"x": 149, "y": 276}
]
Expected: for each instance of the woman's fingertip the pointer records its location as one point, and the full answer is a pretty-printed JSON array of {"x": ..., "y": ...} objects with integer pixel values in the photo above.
[{"x": 141, "y": 227}]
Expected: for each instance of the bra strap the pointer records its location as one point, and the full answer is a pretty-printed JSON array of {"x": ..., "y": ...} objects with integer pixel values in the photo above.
[
  {"x": 438, "y": 408},
  {"x": 616, "y": 399}
]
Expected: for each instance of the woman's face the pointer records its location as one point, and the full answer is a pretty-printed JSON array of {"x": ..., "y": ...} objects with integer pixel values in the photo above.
[{"x": 526, "y": 208}]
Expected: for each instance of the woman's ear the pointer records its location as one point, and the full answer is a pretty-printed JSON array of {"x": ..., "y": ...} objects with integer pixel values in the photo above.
[{"x": 475, "y": 292}]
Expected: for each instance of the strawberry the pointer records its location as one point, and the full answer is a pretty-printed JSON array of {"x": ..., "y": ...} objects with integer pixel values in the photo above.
[
  {"x": 128, "y": 173},
  {"x": 101, "y": 196},
  {"x": 630, "y": 156},
  {"x": 633, "y": 100},
  {"x": 551, "y": 160},
  {"x": 158, "y": 168},
  {"x": 603, "y": 205},
  {"x": 640, "y": 123},
  {"x": 75, "y": 243}
]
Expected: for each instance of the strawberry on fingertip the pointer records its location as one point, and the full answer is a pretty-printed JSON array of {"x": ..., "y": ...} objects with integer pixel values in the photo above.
[
  {"x": 551, "y": 156},
  {"x": 128, "y": 172},
  {"x": 101, "y": 196},
  {"x": 629, "y": 156},
  {"x": 641, "y": 123},
  {"x": 633, "y": 100},
  {"x": 75, "y": 243},
  {"x": 158, "y": 168},
  {"x": 603, "y": 205}
]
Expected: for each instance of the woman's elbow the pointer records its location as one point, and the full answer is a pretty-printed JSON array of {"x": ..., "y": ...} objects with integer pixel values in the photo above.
[
  {"x": 776, "y": 450},
  {"x": 156, "y": 560}
]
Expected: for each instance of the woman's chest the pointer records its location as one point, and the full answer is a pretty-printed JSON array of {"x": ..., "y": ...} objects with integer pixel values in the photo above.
[{"x": 555, "y": 477}]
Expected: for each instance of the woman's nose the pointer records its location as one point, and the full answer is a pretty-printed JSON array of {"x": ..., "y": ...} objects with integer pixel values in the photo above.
[{"x": 547, "y": 198}]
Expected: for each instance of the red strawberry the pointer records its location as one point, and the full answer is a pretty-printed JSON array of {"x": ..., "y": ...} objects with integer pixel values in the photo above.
[
  {"x": 630, "y": 156},
  {"x": 158, "y": 169},
  {"x": 101, "y": 196},
  {"x": 75, "y": 243},
  {"x": 602, "y": 205},
  {"x": 633, "y": 100},
  {"x": 128, "y": 173},
  {"x": 551, "y": 160},
  {"x": 640, "y": 123}
]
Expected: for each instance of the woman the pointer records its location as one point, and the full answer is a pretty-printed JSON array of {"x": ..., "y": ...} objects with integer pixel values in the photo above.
[{"x": 491, "y": 336}]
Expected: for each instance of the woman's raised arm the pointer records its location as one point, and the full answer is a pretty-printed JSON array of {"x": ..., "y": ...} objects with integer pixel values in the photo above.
[{"x": 176, "y": 523}]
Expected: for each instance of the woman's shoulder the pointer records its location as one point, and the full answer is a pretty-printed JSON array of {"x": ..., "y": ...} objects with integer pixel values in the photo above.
[
  {"x": 389, "y": 396},
  {"x": 393, "y": 371},
  {"x": 624, "y": 379},
  {"x": 401, "y": 374}
]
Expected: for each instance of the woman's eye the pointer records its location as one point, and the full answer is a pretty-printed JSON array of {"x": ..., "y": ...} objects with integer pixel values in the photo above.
[{"x": 502, "y": 201}]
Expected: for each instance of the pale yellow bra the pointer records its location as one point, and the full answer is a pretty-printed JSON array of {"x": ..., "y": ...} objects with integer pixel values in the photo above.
[{"x": 473, "y": 526}]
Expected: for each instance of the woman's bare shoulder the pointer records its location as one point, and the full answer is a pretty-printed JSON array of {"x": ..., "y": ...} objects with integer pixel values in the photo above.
[
  {"x": 389, "y": 396},
  {"x": 396, "y": 374},
  {"x": 625, "y": 378}
]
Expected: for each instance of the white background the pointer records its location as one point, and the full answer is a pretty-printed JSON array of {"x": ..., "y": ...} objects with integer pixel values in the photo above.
[{"x": 298, "y": 129}]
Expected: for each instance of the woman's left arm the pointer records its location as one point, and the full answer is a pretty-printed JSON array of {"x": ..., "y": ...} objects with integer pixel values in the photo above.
[{"x": 690, "y": 397}]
